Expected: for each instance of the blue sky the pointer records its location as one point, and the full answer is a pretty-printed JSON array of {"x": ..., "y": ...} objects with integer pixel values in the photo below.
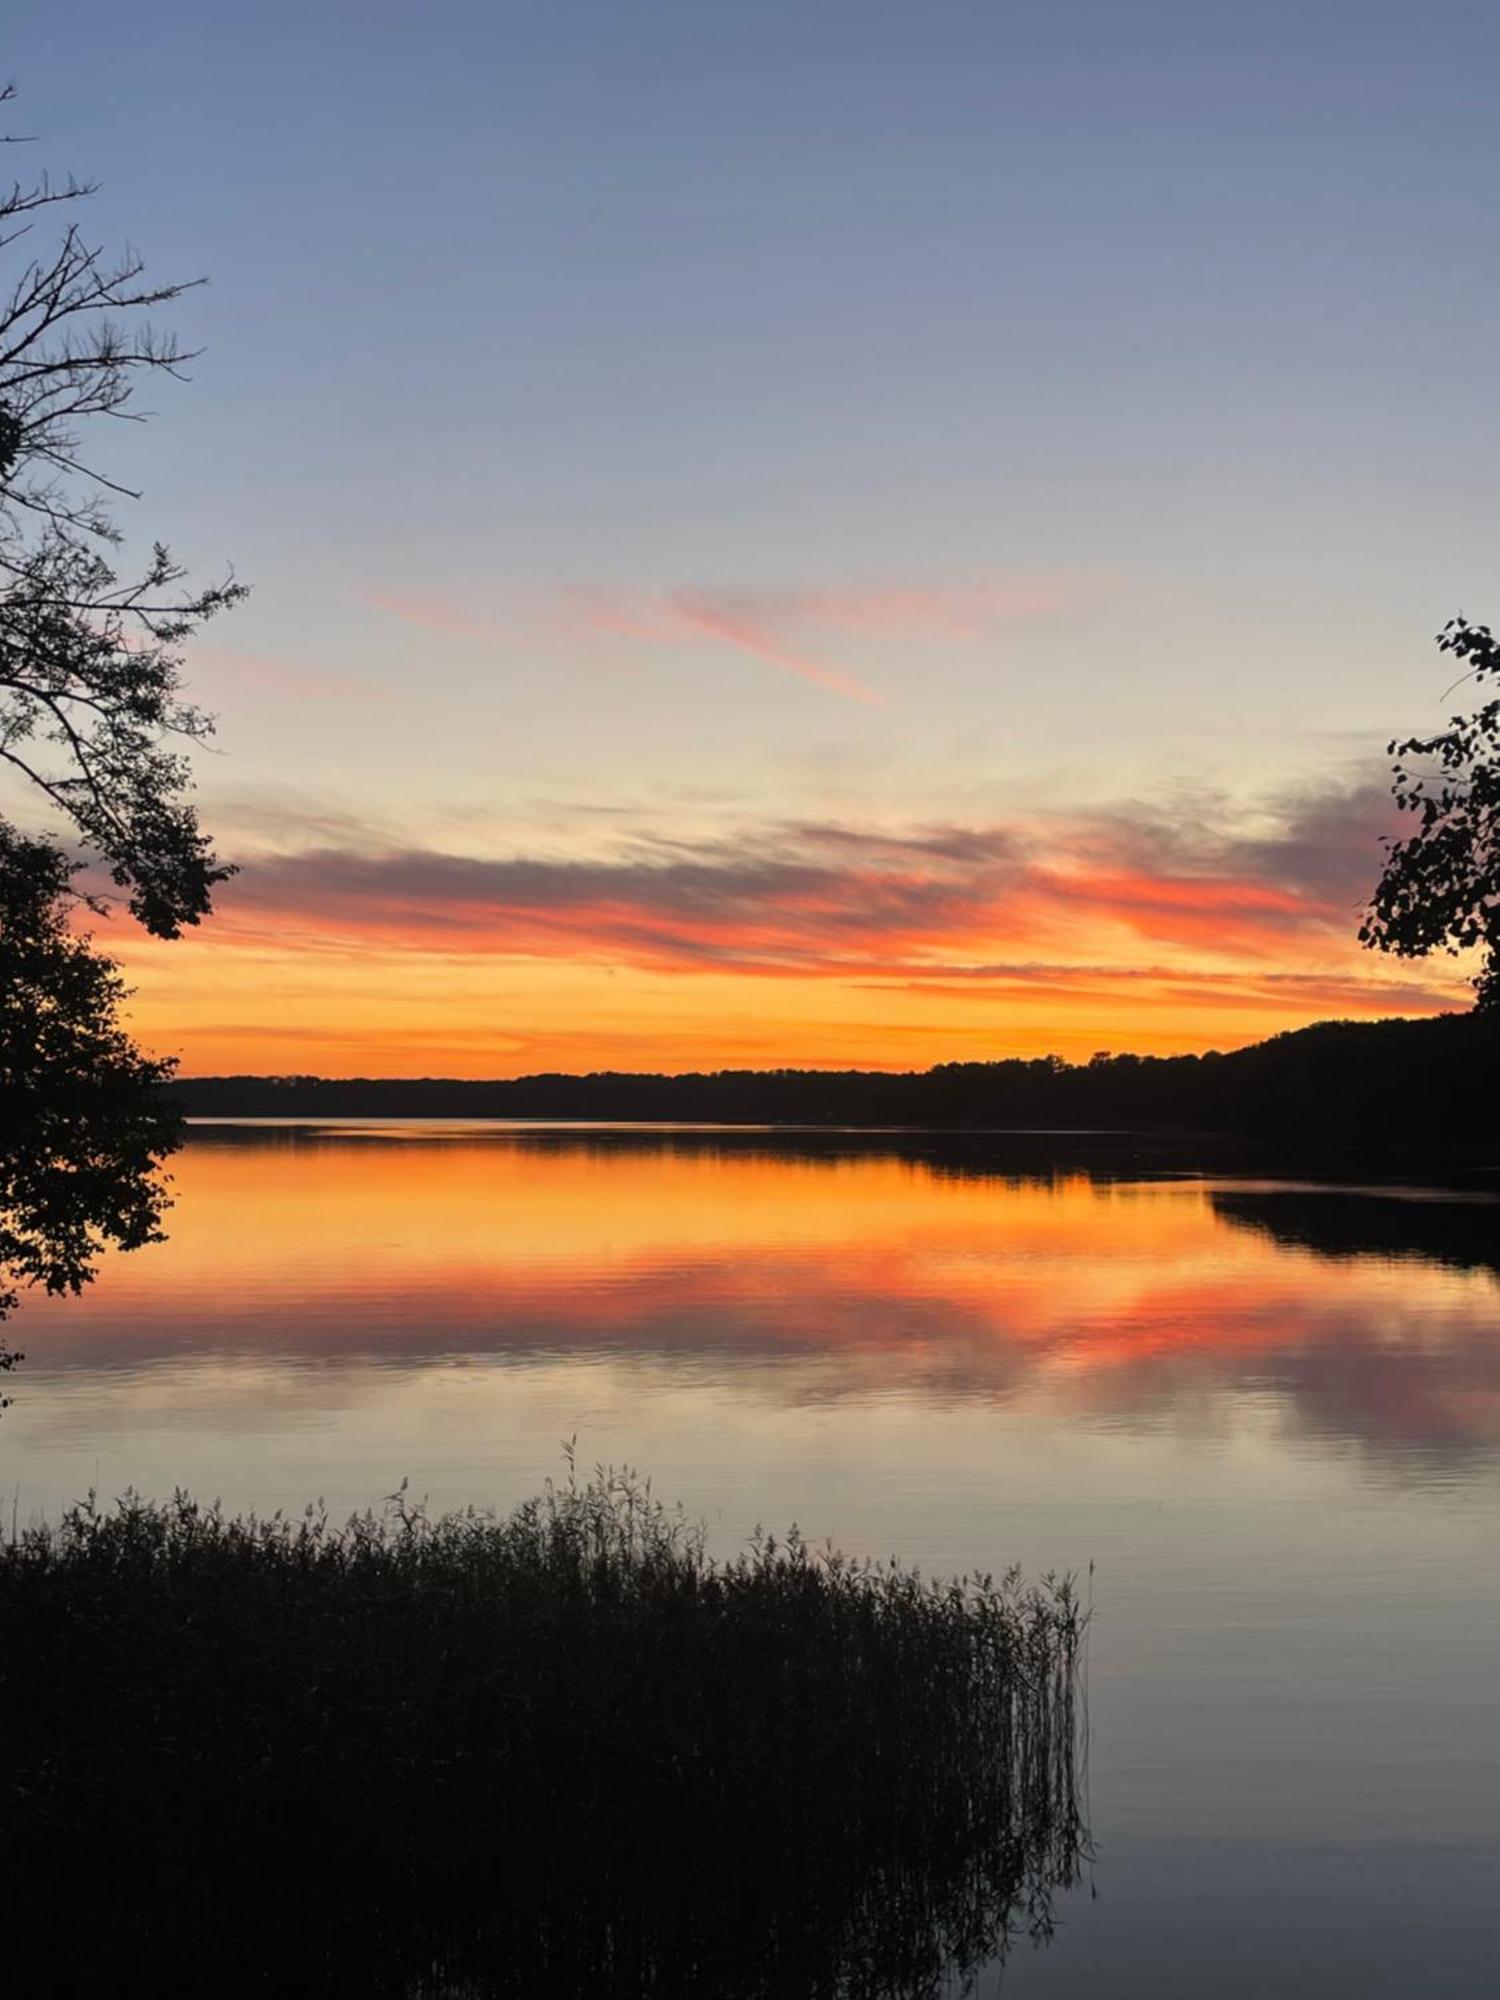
[{"x": 1107, "y": 390}]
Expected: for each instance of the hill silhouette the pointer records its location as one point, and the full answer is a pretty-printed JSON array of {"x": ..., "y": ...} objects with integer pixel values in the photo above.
[{"x": 1428, "y": 1086}]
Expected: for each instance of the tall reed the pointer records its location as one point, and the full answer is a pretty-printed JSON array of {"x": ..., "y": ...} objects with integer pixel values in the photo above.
[{"x": 561, "y": 1752}]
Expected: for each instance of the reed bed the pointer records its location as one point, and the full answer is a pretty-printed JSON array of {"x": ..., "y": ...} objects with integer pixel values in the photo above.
[{"x": 560, "y": 1752}]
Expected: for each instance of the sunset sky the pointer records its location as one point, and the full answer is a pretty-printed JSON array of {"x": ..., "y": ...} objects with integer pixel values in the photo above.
[{"x": 814, "y": 533}]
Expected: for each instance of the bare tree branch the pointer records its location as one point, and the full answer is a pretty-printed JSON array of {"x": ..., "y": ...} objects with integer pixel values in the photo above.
[{"x": 90, "y": 670}]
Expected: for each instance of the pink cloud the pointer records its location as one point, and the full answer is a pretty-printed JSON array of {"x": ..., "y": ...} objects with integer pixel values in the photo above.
[
  {"x": 268, "y": 675},
  {"x": 679, "y": 616},
  {"x": 944, "y": 611},
  {"x": 764, "y": 622},
  {"x": 431, "y": 614},
  {"x": 767, "y": 624},
  {"x": 736, "y": 628}
]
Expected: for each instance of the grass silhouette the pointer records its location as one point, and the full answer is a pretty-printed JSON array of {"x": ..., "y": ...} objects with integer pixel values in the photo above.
[{"x": 560, "y": 1752}]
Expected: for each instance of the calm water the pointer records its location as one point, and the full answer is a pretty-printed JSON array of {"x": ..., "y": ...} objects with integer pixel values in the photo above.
[{"x": 1268, "y": 1414}]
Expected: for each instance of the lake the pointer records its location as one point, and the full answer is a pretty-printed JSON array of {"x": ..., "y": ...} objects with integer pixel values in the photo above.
[{"x": 1265, "y": 1411}]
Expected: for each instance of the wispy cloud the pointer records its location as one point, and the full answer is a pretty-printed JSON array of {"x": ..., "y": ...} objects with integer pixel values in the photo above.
[
  {"x": 1218, "y": 915},
  {"x": 769, "y": 624},
  {"x": 1291, "y": 993},
  {"x": 785, "y": 628},
  {"x": 720, "y": 620},
  {"x": 289, "y": 680},
  {"x": 435, "y": 614}
]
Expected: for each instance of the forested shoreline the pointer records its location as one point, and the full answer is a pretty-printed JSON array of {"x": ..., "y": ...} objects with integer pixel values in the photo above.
[{"x": 1394, "y": 1081}]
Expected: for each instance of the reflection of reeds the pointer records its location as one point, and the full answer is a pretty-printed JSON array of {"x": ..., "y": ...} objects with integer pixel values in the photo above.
[{"x": 565, "y": 1752}]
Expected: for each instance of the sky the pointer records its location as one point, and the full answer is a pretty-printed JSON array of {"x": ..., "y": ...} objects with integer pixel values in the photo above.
[{"x": 796, "y": 534}]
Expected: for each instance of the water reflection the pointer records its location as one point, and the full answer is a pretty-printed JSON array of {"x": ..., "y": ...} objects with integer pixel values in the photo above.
[
  {"x": 1269, "y": 1411},
  {"x": 824, "y": 1267},
  {"x": 1419, "y": 1226}
]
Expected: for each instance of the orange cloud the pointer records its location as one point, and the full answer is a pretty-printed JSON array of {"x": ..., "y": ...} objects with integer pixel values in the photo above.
[
  {"x": 808, "y": 943},
  {"x": 805, "y": 899}
]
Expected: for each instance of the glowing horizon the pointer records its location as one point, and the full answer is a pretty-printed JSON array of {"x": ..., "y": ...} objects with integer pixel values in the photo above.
[{"x": 808, "y": 945}]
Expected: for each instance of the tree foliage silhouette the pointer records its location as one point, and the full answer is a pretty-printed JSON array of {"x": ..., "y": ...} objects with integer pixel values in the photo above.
[
  {"x": 1440, "y": 889},
  {"x": 84, "y": 1124},
  {"x": 93, "y": 718}
]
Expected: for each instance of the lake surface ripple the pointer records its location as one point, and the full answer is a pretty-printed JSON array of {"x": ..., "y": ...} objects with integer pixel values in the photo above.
[{"x": 1267, "y": 1412}]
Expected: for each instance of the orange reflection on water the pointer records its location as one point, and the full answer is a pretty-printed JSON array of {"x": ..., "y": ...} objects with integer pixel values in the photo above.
[{"x": 887, "y": 1273}]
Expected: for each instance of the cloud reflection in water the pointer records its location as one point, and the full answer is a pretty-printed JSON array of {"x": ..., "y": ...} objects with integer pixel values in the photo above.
[{"x": 815, "y": 1268}]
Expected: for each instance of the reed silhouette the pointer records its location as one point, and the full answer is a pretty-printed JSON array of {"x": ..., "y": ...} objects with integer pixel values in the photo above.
[{"x": 562, "y": 1753}]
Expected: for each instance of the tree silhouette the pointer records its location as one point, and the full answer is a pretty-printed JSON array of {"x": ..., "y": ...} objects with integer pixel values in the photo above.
[
  {"x": 84, "y": 1124},
  {"x": 92, "y": 716},
  {"x": 1440, "y": 889}
]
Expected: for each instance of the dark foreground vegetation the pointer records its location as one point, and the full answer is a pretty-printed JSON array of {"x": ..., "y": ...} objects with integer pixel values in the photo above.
[
  {"x": 560, "y": 1753},
  {"x": 1348, "y": 1081}
]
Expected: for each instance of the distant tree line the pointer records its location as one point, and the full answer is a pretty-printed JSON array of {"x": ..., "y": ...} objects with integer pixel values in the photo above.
[{"x": 1408, "y": 1082}]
